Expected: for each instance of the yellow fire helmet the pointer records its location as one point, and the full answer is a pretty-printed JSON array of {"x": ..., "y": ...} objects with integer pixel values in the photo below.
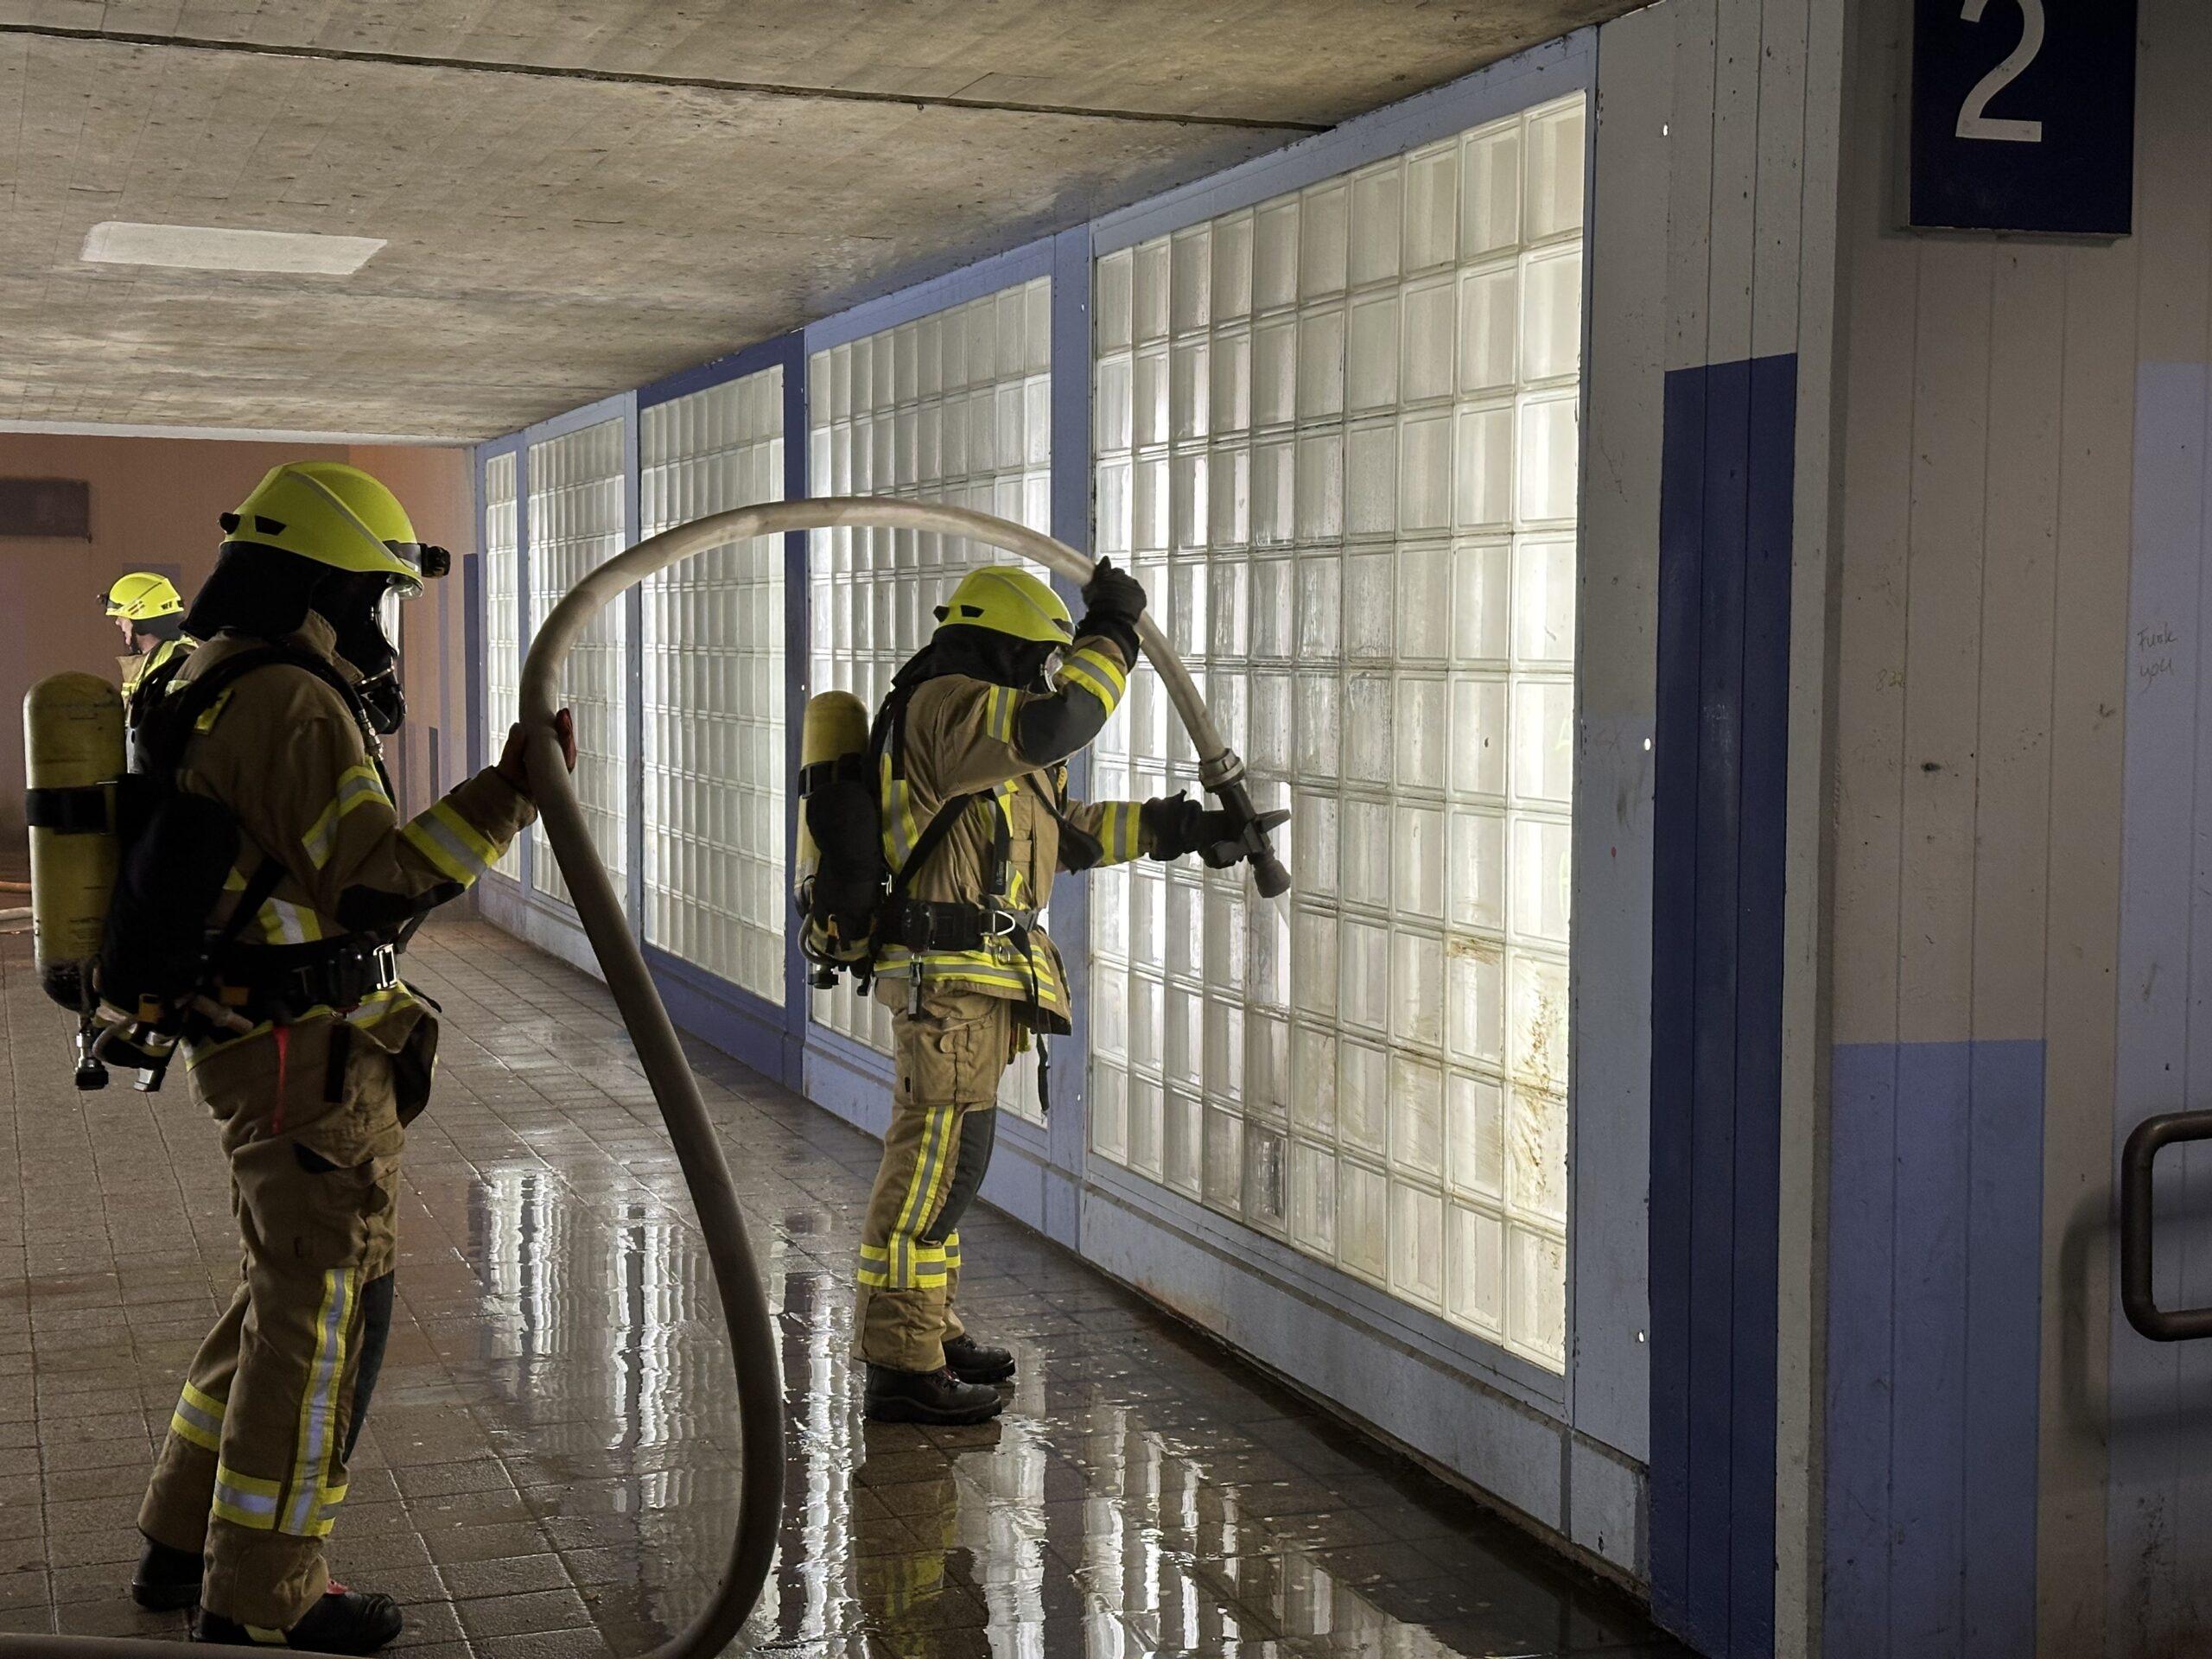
[
  {"x": 336, "y": 515},
  {"x": 141, "y": 596},
  {"x": 1008, "y": 600}
]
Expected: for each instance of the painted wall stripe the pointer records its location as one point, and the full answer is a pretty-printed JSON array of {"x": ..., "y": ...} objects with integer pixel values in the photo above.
[
  {"x": 1727, "y": 507},
  {"x": 1935, "y": 1330},
  {"x": 2159, "y": 1516}
]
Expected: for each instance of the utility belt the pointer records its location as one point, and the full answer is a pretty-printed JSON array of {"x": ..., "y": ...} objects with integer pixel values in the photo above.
[
  {"x": 281, "y": 983},
  {"x": 949, "y": 925}
]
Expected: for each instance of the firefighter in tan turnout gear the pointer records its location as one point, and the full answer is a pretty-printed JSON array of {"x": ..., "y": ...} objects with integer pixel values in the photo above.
[
  {"x": 148, "y": 610},
  {"x": 302, "y": 1040},
  {"x": 976, "y": 823}
]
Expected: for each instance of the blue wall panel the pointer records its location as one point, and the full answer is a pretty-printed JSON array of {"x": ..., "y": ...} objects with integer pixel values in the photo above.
[
  {"x": 1934, "y": 1338},
  {"x": 1727, "y": 503}
]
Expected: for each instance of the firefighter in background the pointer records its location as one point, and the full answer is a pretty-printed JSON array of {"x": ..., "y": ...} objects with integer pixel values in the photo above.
[
  {"x": 149, "y": 612},
  {"x": 326, "y": 1053},
  {"x": 968, "y": 747}
]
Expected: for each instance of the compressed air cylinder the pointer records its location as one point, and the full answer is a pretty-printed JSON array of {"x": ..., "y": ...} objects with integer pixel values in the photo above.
[
  {"x": 834, "y": 726},
  {"x": 73, "y": 754}
]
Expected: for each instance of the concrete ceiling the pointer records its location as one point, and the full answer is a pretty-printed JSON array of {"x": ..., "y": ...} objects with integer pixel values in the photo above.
[{"x": 579, "y": 197}]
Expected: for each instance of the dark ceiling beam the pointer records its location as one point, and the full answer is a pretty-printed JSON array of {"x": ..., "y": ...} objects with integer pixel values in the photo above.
[{"x": 630, "y": 77}]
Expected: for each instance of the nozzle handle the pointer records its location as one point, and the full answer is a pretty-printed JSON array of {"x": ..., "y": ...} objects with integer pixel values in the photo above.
[{"x": 1268, "y": 873}]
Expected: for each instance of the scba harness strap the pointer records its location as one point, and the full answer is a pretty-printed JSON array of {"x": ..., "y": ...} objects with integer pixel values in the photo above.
[
  {"x": 954, "y": 925},
  {"x": 274, "y": 983}
]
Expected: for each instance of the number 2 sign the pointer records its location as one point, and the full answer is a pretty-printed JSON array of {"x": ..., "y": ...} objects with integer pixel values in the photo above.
[{"x": 2024, "y": 116}]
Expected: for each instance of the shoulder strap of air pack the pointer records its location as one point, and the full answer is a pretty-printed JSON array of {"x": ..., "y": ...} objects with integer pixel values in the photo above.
[
  {"x": 171, "y": 724},
  {"x": 889, "y": 737}
]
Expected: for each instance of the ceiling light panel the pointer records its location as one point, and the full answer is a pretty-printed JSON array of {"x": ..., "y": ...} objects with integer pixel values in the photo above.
[{"x": 203, "y": 247}]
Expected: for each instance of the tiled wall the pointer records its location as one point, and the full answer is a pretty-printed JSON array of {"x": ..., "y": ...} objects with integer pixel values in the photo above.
[
  {"x": 953, "y": 407},
  {"x": 713, "y": 751},
  {"x": 1336, "y": 434},
  {"x": 576, "y": 521},
  {"x": 502, "y": 619}
]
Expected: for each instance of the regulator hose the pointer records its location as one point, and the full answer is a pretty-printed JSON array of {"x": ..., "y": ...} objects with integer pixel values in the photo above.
[{"x": 753, "y": 1340}]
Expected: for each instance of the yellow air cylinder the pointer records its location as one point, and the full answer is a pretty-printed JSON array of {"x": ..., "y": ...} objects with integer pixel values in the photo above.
[
  {"x": 73, "y": 755},
  {"x": 834, "y": 725}
]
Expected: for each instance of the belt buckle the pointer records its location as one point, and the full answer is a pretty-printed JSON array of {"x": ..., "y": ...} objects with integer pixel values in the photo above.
[
  {"x": 999, "y": 924},
  {"x": 384, "y": 965}
]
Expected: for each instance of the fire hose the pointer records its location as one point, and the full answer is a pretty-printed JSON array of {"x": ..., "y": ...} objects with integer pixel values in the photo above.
[{"x": 753, "y": 1340}]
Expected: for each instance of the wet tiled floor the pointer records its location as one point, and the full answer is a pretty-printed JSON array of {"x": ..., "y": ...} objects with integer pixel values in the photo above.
[{"x": 550, "y": 1467}]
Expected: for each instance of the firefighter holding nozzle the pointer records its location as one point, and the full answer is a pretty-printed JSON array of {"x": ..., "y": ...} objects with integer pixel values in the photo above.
[{"x": 933, "y": 834}]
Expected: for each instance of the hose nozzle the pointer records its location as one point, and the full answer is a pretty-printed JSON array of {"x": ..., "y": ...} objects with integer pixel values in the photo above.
[{"x": 1254, "y": 836}]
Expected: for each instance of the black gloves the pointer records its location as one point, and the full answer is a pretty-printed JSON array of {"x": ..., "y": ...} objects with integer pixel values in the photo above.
[
  {"x": 1178, "y": 825},
  {"x": 1113, "y": 600}
]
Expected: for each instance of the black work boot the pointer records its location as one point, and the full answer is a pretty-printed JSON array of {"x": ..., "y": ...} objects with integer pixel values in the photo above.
[
  {"x": 167, "y": 1579},
  {"x": 936, "y": 1396},
  {"x": 971, "y": 1362},
  {"x": 344, "y": 1621}
]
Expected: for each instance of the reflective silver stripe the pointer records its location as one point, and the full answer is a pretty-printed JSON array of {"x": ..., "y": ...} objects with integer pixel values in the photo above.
[
  {"x": 446, "y": 848},
  {"x": 315, "y": 1431},
  {"x": 357, "y": 786},
  {"x": 285, "y": 921},
  {"x": 198, "y": 1419},
  {"x": 246, "y": 1503},
  {"x": 1095, "y": 676}
]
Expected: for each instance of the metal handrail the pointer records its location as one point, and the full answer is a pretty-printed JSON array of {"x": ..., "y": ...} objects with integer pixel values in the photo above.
[{"x": 2138, "y": 1214}]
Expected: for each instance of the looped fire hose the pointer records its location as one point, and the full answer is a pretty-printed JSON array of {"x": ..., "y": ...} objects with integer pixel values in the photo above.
[{"x": 753, "y": 1341}]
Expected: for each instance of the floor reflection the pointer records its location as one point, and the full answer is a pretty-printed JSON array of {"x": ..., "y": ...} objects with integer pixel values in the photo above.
[{"x": 551, "y": 1464}]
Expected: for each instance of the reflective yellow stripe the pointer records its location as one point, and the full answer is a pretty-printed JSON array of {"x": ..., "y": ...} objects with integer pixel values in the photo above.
[
  {"x": 198, "y": 1419},
  {"x": 246, "y": 1500},
  {"x": 1097, "y": 673},
  {"x": 999, "y": 706},
  {"x": 185, "y": 1428},
  {"x": 326, "y": 1515},
  {"x": 318, "y": 1418},
  {"x": 899, "y": 962},
  {"x": 455, "y": 846},
  {"x": 932, "y": 1168},
  {"x": 374, "y": 1007},
  {"x": 206, "y": 1402},
  {"x": 899, "y": 833},
  {"x": 357, "y": 786},
  {"x": 283, "y": 922},
  {"x": 207, "y": 721}
]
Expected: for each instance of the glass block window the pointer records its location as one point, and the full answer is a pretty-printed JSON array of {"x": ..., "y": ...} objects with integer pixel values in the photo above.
[
  {"x": 575, "y": 525},
  {"x": 713, "y": 688},
  {"x": 954, "y": 407},
  {"x": 1338, "y": 435},
  {"x": 502, "y": 621}
]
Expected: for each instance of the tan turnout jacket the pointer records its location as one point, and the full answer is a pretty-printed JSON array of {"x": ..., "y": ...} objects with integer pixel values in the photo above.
[{"x": 960, "y": 738}]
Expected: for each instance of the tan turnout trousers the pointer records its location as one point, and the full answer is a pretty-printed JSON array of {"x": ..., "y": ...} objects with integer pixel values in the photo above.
[
  {"x": 943, "y": 1118},
  {"x": 312, "y": 1115},
  {"x": 253, "y": 1470}
]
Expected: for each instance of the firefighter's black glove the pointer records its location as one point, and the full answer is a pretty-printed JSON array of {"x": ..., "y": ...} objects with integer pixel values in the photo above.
[
  {"x": 1177, "y": 826},
  {"x": 1113, "y": 600}
]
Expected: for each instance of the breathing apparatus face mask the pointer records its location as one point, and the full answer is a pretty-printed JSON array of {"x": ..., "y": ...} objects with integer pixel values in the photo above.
[{"x": 363, "y": 610}]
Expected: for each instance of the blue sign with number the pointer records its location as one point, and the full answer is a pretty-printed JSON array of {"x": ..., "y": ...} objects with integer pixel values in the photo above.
[{"x": 2024, "y": 116}]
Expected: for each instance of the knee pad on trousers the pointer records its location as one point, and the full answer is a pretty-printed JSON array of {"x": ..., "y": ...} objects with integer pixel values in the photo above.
[{"x": 375, "y": 1330}]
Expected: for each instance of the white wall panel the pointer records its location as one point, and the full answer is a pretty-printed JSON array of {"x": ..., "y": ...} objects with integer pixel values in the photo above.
[
  {"x": 502, "y": 621},
  {"x": 1337, "y": 438},
  {"x": 713, "y": 688},
  {"x": 954, "y": 407},
  {"x": 575, "y": 523}
]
